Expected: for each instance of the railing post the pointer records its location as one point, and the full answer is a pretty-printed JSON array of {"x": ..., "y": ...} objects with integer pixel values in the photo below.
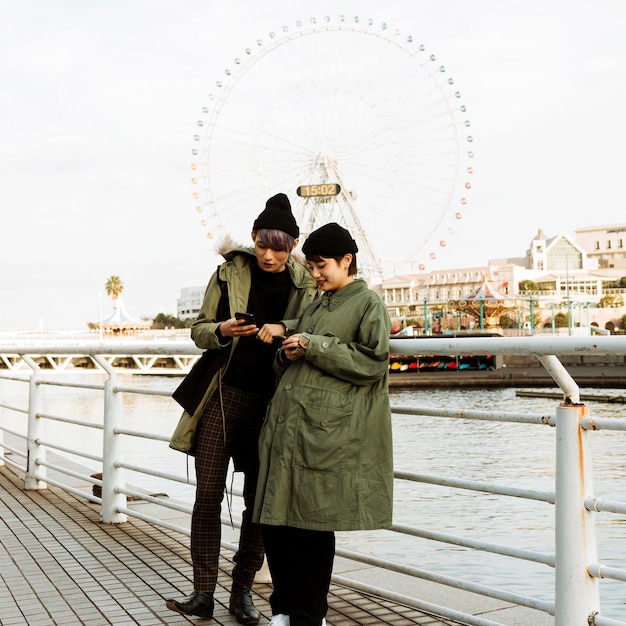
[
  {"x": 34, "y": 451},
  {"x": 577, "y": 593},
  {"x": 113, "y": 476}
]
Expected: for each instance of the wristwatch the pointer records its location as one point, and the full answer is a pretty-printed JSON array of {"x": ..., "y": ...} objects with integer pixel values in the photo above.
[{"x": 303, "y": 341}]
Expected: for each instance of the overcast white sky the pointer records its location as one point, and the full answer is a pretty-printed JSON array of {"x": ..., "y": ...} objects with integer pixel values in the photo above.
[{"x": 99, "y": 101}]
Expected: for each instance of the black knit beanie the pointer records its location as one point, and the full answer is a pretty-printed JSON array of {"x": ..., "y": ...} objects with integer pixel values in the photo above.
[
  {"x": 277, "y": 215},
  {"x": 330, "y": 240}
]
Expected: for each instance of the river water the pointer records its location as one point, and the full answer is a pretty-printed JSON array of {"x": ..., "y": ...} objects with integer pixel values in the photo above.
[{"x": 509, "y": 454}]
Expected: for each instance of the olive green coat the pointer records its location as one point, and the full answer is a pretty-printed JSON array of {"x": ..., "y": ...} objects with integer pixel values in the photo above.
[
  {"x": 236, "y": 272},
  {"x": 326, "y": 443}
]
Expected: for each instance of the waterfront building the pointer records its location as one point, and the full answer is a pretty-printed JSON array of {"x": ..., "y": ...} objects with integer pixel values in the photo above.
[
  {"x": 604, "y": 244},
  {"x": 555, "y": 274},
  {"x": 190, "y": 301}
]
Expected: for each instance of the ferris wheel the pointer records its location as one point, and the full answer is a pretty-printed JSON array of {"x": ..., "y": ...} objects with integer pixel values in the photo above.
[{"x": 356, "y": 122}]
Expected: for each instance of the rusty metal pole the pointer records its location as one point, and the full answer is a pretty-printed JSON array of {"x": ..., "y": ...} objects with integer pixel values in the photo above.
[{"x": 577, "y": 593}]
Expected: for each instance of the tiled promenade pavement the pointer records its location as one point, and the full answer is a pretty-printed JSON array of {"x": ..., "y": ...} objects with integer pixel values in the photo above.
[{"x": 60, "y": 565}]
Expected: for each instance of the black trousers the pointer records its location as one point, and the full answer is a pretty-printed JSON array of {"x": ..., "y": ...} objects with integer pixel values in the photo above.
[{"x": 301, "y": 564}]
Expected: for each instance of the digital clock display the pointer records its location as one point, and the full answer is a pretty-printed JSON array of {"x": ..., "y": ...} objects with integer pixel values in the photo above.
[{"x": 317, "y": 191}]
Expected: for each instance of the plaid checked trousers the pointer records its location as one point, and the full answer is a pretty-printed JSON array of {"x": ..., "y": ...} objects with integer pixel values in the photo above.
[{"x": 218, "y": 439}]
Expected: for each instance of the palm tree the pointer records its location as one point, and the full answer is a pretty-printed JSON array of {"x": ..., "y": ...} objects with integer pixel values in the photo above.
[{"x": 114, "y": 288}]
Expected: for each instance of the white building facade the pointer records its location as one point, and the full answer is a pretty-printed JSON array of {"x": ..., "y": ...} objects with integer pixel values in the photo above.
[
  {"x": 189, "y": 303},
  {"x": 604, "y": 244}
]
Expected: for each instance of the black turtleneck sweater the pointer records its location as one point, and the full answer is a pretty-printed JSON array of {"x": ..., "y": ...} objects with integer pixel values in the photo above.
[{"x": 251, "y": 364}]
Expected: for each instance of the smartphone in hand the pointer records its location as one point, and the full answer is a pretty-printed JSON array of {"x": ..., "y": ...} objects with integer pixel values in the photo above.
[{"x": 249, "y": 317}]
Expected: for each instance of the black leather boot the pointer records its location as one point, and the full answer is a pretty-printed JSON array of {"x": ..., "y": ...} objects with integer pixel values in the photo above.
[
  {"x": 241, "y": 605},
  {"x": 198, "y": 604}
]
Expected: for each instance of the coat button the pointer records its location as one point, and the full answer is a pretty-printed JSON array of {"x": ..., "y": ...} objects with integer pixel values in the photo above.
[
  {"x": 324, "y": 423},
  {"x": 325, "y": 344},
  {"x": 287, "y": 386},
  {"x": 281, "y": 419}
]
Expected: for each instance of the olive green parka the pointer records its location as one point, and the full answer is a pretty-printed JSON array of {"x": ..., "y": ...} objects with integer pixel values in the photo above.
[
  {"x": 326, "y": 443},
  {"x": 235, "y": 273}
]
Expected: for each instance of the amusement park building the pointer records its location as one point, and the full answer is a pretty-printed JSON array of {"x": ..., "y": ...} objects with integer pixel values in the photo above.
[
  {"x": 564, "y": 273},
  {"x": 604, "y": 244}
]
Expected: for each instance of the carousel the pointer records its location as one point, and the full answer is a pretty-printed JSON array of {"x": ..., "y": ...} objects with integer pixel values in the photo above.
[
  {"x": 486, "y": 304},
  {"x": 119, "y": 322}
]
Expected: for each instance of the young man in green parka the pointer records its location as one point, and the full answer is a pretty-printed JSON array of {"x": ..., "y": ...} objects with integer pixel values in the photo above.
[{"x": 269, "y": 283}]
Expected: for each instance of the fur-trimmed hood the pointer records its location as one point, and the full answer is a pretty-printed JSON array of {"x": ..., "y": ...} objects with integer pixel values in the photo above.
[{"x": 229, "y": 248}]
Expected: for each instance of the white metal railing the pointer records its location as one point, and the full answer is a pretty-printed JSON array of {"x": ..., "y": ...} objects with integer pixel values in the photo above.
[{"x": 577, "y": 570}]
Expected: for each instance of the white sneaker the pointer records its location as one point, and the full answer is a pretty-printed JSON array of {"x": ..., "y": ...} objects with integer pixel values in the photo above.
[{"x": 283, "y": 620}]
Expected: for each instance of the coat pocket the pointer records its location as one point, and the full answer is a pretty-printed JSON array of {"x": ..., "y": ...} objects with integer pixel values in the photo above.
[
  {"x": 183, "y": 437},
  {"x": 323, "y": 436}
]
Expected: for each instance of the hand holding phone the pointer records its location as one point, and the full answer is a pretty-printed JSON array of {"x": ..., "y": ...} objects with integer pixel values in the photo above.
[{"x": 248, "y": 317}]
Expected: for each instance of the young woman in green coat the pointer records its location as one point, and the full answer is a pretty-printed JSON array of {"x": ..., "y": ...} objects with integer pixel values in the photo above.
[{"x": 326, "y": 446}]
